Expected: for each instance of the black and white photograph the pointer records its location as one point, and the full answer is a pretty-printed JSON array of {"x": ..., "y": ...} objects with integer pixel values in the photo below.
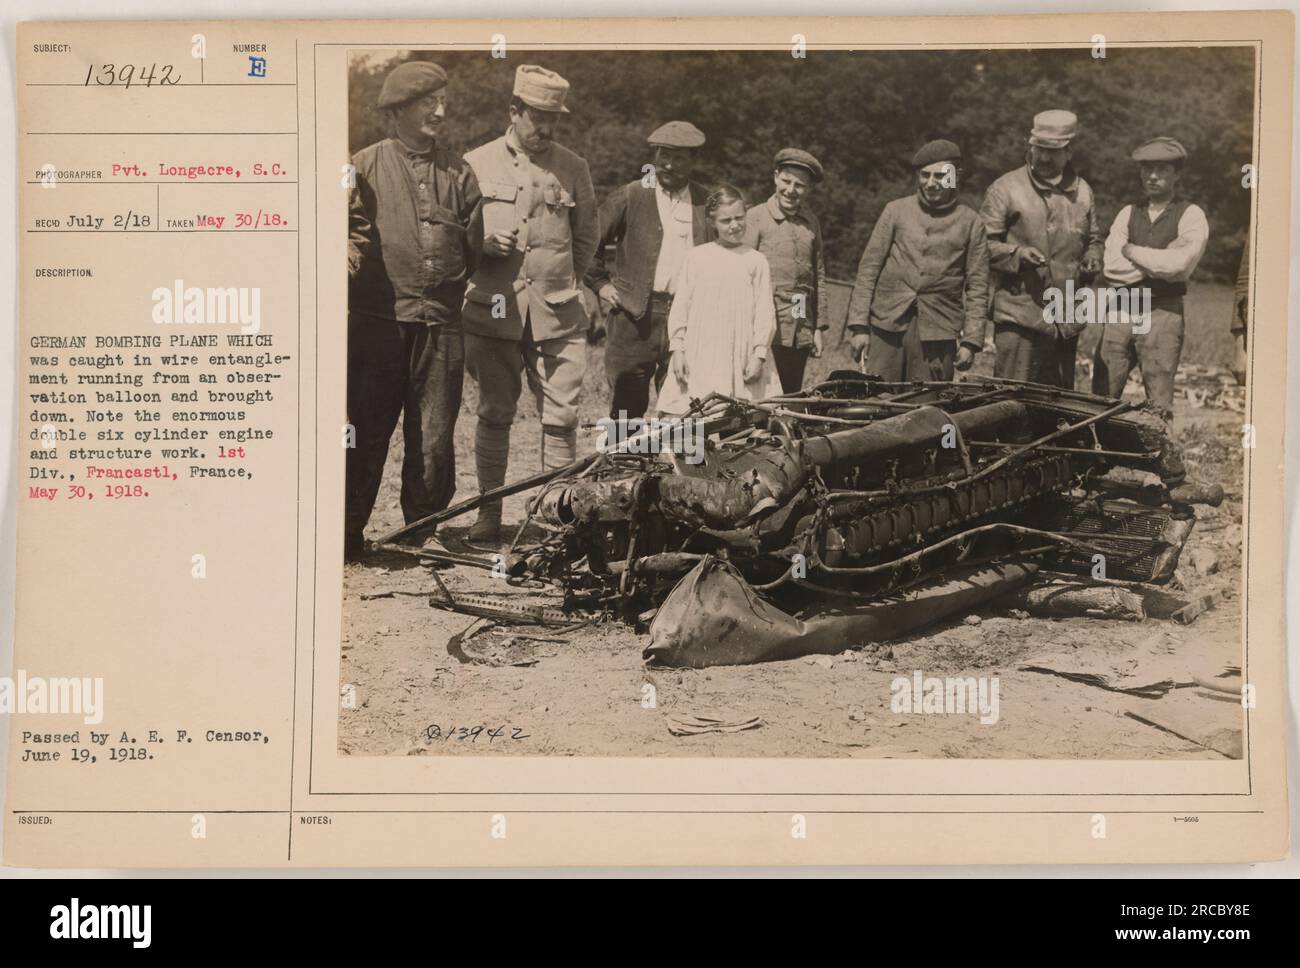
[{"x": 750, "y": 403}]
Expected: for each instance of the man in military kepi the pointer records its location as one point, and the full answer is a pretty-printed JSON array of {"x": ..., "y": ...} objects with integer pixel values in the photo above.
[
  {"x": 652, "y": 223},
  {"x": 523, "y": 308},
  {"x": 414, "y": 235},
  {"x": 786, "y": 231},
  {"x": 1153, "y": 246}
]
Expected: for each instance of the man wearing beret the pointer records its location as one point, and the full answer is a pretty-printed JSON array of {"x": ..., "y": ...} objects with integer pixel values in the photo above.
[
  {"x": 651, "y": 223},
  {"x": 415, "y": 234},
  {"x": 1154, "y": 244},
  {"x": 920, "y": 300},
  {"x": 1043, "y": 234},
  {"x": 523, "y": 308},
  {"x": 784, "y": 230}
]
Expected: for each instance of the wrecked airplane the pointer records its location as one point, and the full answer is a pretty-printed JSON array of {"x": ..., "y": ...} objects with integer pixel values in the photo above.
[{"x": 855, "y": 511}]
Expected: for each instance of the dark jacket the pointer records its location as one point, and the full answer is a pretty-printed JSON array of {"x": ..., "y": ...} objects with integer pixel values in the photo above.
[
  {"x": 797, "y": 258},
  {"x": 935, "y": 260},
  {"x": 415, "y": 233},
  {"x": 1060, "y": 221},
  {"x": 629, "y": 219}
]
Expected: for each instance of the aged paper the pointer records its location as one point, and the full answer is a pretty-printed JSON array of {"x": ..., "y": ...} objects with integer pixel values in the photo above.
[{"x": 252, "y": 251}]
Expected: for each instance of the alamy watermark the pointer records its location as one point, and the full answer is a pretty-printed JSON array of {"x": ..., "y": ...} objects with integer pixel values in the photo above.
[
  {"x": 26, "y": 694},
  {"x": 946, "y": 696},
  {"x": 210, "y": 306},
  {"x": 652, "y": 435},
  {"x": 75, "y": 921},
  {"x": 1114, "y": 305}
]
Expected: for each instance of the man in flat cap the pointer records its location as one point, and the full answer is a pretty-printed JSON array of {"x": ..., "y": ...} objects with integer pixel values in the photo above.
[
  {"x": 523, "y": 309},
  {"x": 788, "y": 233},
  {"x": 651, "y": 223},
  {"x": 920, "y": 300},
  {"x": 415, "y": 235},
  {"x": 1043, "y": 234},
  {"x": 1153, "y": 245}
]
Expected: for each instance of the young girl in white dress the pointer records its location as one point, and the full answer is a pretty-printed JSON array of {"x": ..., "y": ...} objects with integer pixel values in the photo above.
[{"x": 722, "y": 320}]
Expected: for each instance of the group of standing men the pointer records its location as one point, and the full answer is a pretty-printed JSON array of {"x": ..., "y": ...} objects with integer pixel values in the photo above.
[
  {"x": 458, "y": 264},
  {"x": 922, "y": 294},
  {"x": 477, "y": 263}
]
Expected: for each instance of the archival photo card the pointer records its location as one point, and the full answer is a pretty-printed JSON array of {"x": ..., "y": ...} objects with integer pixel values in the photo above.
[{"x": 830, "y": 441}]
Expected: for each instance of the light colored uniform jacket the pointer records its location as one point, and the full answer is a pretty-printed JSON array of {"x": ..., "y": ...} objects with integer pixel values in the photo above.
[{"x": 549, "y": 198}]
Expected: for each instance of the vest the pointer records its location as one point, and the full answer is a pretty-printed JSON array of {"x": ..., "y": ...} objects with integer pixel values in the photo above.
[{"x": 1158, "y": 235}]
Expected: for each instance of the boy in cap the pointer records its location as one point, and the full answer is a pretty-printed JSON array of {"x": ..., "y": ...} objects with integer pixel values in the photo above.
[
  {"x": 415, "y": 235},
  {"x": 1155, "y": 245},
  {"x": 789, "y": 235},
  {"x": 920, "y": 300},
  {"x": 1043, "y": 233},
  {"x": 652, "y": 223},
  {"x": 523, "y": 308}
]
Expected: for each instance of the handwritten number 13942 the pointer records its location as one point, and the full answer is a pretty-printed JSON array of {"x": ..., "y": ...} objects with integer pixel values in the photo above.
[{"x": 106, "y": 75}]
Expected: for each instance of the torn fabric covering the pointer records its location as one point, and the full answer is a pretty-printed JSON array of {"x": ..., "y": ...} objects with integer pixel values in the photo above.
[{"x": 714, "y": 617}]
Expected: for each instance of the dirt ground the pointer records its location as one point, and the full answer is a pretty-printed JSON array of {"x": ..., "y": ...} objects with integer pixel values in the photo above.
[{"x": 584, "y": 696}]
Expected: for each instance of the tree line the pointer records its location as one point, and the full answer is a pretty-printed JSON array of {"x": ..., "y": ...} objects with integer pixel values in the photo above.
[{"x": 863, "y": 114}]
